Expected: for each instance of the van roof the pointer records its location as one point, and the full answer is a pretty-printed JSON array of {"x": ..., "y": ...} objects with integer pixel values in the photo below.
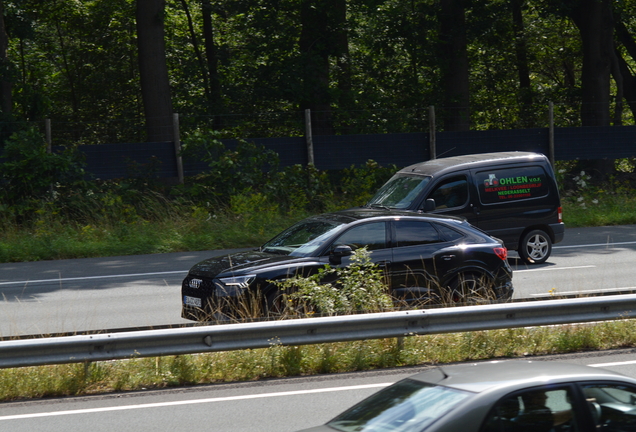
[{"x": 435, "y": 166}]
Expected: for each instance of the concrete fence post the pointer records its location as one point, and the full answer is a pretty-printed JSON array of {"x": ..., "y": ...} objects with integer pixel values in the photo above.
[
  {"x": 177, "y": 146},
  {"x": 432, "y": 144},
  {"x": 47, "y": 135},
  {"x": 308, "y": 138},
  {"x": 551, "y": 135}
]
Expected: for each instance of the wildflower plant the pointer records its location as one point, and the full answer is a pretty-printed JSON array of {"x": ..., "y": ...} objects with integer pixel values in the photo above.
[{"x": 359, "y": 287}]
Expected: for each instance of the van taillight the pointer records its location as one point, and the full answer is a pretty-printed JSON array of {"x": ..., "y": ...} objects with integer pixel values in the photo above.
[
  {"x": 560, "y": 213},
  {"x": 501, "y": 252}
]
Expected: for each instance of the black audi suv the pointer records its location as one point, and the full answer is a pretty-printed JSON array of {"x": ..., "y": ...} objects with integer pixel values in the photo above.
[{"x": 424, "y": 259}]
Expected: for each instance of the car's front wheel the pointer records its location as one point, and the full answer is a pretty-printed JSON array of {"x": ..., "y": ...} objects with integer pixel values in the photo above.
[
  {"x": 535, "y": 247},
  {"x": 278, "y": 303},
  {"x": 275, "y": 302}
]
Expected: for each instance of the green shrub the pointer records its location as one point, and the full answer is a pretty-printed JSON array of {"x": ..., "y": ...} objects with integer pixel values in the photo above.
[
  {"x": 300, "y": 188},
  {"x": 230, "y": 172},
  {"x": 30, "y": 174},
  {"x": 358, "y": 287},
  {"x": 356, "y": 185}
]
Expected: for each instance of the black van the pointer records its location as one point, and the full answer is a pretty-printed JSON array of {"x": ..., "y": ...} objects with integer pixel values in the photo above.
[{"x": 510, "y": 195}]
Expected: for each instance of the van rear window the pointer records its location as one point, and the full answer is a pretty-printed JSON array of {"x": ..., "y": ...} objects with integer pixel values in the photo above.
[{"x": 512, "y": 184}]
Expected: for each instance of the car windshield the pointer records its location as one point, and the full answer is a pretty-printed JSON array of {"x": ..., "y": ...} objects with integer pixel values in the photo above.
[
  {"x": 399, "y": 192},
  {"x": 407, "y": 406},
  {"x": 302, "y": 239}
]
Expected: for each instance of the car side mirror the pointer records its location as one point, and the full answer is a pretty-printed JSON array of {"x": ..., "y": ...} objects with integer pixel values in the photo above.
[
  {"x": 335, "y": 257},
  {"x": 429, "y": 205}
]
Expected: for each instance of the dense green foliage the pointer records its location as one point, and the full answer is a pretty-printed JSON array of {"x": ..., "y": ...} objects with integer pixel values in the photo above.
[{"x": 247, "y": 74}]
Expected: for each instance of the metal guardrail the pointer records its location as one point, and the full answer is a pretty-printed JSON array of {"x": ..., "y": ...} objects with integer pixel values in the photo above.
[{"x": 200, "y": 339}]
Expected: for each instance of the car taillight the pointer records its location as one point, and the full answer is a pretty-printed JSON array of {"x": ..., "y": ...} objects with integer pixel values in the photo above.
[
  {"x": 501, "y": 252},
  {"x": 560, "y": 213}
]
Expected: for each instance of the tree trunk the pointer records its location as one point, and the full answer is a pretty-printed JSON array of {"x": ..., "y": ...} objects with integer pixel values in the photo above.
[
  {"x": 342, "y": 54},
  {"x": 454, "y": 65},
  {"x": 6, "y": 102},
  {"x": 195, "y": 46},
  {"x": 212, "y": 56},
  {"x": 629, "y": 84},
  {"x": 523, "y": 71},
  {"x": 629, "y": 80},
  {"x": 153, "y": 70},
  {"x": 315, "y": 49},
  {"x": 595, "y": 22}
]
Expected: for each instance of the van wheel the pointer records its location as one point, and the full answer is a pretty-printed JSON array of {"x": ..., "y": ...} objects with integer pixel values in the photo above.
[{"x": 535, "y": 247}]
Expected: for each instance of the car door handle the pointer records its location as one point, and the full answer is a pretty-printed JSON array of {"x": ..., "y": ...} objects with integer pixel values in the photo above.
[
  {"x": 448, "y": 257},
  {"x": 383, "y": 263}
]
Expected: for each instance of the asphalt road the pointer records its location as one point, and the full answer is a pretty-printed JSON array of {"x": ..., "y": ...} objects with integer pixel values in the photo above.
[
  {"x": 266, "y": 406},
  {"x": 138, "y": 291}
]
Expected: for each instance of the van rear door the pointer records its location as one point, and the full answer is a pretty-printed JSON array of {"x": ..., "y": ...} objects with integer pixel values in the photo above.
[{"x": 513, "y": 198}]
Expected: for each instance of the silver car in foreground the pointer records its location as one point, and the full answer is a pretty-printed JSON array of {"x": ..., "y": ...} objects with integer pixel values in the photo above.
[{"x": 499, "y": 396}]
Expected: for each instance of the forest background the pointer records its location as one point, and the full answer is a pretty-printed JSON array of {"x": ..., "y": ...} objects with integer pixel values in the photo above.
[{"x": 105, "y": 71}]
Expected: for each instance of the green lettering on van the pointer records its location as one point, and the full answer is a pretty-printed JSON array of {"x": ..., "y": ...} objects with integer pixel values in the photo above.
[{"x": 513, "y": 180}]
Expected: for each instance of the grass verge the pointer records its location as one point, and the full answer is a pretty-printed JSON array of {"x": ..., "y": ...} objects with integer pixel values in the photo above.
[
  {"x": 588, "y": 211},
  {"x": 49, "y": 238},
  {"x": 279, "y": 361}
]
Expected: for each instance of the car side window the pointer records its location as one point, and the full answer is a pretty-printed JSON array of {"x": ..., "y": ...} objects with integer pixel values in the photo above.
[
  {"x": 613, "y": 406},
  {"x": 539, "y": 409},
  {"x": 372, "y": 235},
  {"x": 450, "y": 193},
  {"x": 448, "y": 234},
  {"x": 411, "y": 233}
]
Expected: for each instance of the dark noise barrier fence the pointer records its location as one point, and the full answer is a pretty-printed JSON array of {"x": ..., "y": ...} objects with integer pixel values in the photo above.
[{"x": 335, "y": 152}]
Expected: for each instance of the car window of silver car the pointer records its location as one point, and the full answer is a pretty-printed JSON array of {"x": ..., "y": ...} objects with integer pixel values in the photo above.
[
  {"x": 613, "y": 406},
  {"x": 408, "y": 406},
  {"x": 541, "y": 409}
]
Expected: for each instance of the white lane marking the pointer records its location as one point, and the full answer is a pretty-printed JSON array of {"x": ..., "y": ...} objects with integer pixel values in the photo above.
[
  {"x": 190, "y": 402},
  {"x": 623, "y": 363},
  {"x": 553, "y": 269},
  {"x": 230, "y": 398},
  {"x": 185, "y": 271},
  {"x": 92, "y": 277},
  {"x": 594, "y": 245},
  {"x": 590, "y": 292}
]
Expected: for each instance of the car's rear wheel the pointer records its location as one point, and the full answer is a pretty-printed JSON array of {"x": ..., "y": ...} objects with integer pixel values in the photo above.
[
  {"x": 535, "y": 247},
  {"x": 471, "y": 289}
]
